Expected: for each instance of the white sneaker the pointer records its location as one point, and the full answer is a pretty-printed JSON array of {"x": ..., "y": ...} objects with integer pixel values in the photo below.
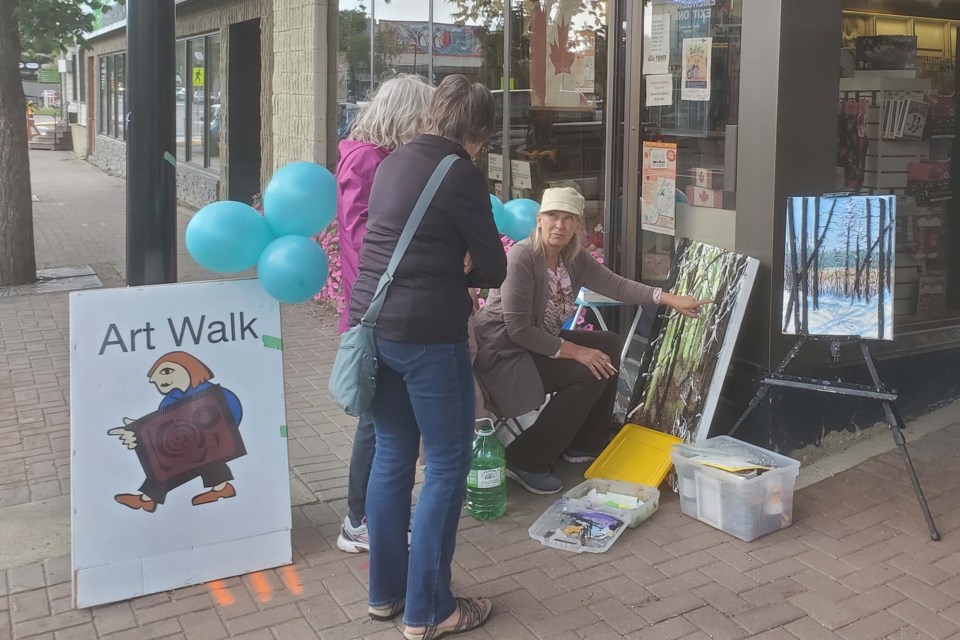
[{"x": 353, "y": 539}]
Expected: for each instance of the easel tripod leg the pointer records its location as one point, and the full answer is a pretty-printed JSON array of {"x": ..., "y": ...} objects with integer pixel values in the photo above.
[
  {"x": 895, "y": 422},
  {"x": 754, "y": 403}
]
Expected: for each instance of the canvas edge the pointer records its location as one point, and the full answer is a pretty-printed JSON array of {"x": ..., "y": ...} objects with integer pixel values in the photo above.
[{"x": 730, "y": 338}]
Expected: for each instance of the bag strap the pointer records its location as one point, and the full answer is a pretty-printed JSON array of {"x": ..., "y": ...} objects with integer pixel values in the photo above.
[{"x": 416, "y": 217}]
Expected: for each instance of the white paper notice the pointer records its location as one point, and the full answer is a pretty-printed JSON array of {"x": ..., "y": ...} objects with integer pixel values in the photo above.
[
  {"x": 697, "y": 57},
  {"x": 656, "y": 60},
  {"x": 495, "y": 167},
  {"x": 521, "y": 174},
  {"x": 660, "y": 90}
]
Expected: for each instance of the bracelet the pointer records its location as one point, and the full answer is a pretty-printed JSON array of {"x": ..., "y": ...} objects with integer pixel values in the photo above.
[{"x": 657, "y": 292}]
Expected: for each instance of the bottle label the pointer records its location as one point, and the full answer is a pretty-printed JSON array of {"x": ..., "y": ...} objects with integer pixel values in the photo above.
[{"x": 485, "y": 478}]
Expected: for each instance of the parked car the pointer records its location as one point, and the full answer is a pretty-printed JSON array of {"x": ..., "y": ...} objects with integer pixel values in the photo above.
[{"x": 182, "y": 94}]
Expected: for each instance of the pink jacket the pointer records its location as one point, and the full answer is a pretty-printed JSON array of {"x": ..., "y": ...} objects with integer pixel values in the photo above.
[{"x": 358, "y": 164}]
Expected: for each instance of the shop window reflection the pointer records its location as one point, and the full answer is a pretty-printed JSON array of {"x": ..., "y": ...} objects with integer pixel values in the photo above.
[{"x": 897, "y": 124}]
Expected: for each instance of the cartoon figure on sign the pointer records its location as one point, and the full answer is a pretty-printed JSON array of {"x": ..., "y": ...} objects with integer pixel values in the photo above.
[{"x": 194, "y": 433}]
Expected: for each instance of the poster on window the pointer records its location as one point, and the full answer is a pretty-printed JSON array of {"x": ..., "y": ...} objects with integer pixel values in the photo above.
[
  {"x": 562, "y": 56},
  {"x": 697, "y": 56},
  {"x": 178, "y": 437},
  {"x": 659, "y": 187}
]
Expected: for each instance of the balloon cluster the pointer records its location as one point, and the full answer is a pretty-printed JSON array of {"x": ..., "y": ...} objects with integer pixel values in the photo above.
[
  {"x": 299, "y": 202},
  {"x": 516, "y": 219}
]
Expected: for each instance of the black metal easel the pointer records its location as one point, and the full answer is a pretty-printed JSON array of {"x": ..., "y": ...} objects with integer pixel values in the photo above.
[{"x": 886, "y": 396}]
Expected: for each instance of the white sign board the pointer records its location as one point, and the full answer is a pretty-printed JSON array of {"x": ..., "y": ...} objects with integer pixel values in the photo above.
[{"x": 178, "y": 438}]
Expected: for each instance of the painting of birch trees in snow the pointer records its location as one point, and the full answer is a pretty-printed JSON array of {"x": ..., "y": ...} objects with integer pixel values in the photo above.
[{"x": 838, "y": 266}]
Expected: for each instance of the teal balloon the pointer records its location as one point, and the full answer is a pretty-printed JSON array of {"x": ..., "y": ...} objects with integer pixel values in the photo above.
[
  {"x": 521, "y": 218},
  {"x": 292, "y": 269},
  {"x": 300, "y": 200},
  {"x": 227, "y": 236},
  {"x": 680, "y": 196},
  {"x": 499, "y": 212}
]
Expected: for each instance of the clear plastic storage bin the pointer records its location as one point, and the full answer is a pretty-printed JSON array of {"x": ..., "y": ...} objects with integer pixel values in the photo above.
[
  {"x": 743, "y": 506},
  {"x": 606, "y": 493},
  {"x": 577, "y": 526}
]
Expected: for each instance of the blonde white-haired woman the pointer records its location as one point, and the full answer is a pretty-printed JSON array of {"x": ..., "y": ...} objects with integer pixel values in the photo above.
[
  {"x": 524, "y": 353},
  {"x": 395, "y": 115}
]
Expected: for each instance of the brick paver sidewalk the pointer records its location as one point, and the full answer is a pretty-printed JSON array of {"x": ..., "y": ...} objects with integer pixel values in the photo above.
[{"x": 857, "y": 563}]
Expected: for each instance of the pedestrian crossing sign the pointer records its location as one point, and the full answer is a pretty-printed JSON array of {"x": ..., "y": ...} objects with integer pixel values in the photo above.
[{"x": 198, "y": 76}]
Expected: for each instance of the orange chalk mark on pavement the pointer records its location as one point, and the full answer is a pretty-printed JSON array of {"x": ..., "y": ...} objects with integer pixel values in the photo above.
[
  {"x": 221, "y": 594},
  {"x": 291, "y": 580},
  {"x": 261, "y": 587}
]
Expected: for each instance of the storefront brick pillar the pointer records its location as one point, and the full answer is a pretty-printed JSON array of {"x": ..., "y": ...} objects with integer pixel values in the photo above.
[{"x": 302, "y": 110}]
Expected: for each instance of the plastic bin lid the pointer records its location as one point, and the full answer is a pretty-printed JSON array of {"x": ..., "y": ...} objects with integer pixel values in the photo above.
[{"x": 637, "y": 454}]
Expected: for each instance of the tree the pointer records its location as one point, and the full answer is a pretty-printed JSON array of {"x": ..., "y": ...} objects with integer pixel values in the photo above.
[{"x": 36, "y": 27}]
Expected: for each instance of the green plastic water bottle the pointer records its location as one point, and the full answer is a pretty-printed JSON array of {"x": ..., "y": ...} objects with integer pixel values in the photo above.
[{"x": 487, "y": 480}]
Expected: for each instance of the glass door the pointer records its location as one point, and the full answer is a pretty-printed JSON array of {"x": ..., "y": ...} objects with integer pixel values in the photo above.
[{"x": 688, "y": 111}]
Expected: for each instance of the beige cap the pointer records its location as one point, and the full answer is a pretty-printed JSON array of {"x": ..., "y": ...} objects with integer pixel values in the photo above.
[{"x": 566, "y": 199}]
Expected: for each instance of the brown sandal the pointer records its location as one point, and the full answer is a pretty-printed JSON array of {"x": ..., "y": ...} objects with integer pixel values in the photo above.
[{"x": 473, "y": 613}]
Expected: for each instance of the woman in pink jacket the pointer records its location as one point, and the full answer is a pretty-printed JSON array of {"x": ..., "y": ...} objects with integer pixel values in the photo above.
[{"x": 395, "y": 115}]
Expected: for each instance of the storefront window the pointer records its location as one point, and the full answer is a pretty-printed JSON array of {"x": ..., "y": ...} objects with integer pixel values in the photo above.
[
  {"x": 557, "y": 128},
  {"x": 197, "y": 93},
  {"x": 182, "y": 78},
  {"x": 213, "y": 101},
  {"x": 556, "y": 82},
  {"x": 104, "y": 98},
  {"x": 113, "y": 103},
  {"x": 896, "y": 133},
  {"x": 199, "y": 89},
  {"x": 691, "y": 72},
  {"x": 120, "y": 90}
]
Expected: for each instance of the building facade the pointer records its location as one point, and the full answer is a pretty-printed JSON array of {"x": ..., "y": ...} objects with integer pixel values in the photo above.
[
  {"x": 252, "y": 93},
  {"x": 752, "y": 101}
]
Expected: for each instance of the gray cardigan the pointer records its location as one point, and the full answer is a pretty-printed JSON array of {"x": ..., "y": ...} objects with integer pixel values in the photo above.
[{"x": 510, "y": 326}]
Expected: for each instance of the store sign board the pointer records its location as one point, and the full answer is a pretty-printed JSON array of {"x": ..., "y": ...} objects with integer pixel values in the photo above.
[{"x": 179, "y": 450}]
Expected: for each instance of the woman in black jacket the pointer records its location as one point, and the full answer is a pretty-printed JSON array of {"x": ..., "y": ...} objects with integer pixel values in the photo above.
[{"x": 425, "y": 379}]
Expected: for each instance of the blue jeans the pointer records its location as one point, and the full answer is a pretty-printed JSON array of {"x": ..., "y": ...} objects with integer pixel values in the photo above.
[{"x": 424, "y": 391}]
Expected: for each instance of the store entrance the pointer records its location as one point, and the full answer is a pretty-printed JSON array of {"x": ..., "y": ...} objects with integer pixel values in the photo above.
[
  {"x": 897, "y": 134},
  {"x": 244, "y": 111}
]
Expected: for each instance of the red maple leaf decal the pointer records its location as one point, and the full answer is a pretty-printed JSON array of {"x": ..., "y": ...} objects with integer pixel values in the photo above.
[{"x": 561, "y": 58}]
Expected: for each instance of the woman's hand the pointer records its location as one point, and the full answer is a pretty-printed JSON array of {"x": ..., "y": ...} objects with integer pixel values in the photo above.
[
  {"x": 467, "y": 263},
  {"x": 685, "y": 305},
  {"x": 597, "y": 361}
]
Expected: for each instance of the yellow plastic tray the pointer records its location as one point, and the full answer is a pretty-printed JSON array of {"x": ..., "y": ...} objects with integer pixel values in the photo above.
[{"x": 637, "y": 454}]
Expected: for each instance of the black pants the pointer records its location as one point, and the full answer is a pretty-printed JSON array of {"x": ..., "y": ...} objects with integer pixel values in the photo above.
[
  {"x": 211, "y": 474},
  {"x": 579, "y": 415},
  {"x": 361, "y": 461}
]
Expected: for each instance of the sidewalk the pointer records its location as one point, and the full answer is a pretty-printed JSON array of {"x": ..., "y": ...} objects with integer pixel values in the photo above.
[{"x": 857, "y": 563}]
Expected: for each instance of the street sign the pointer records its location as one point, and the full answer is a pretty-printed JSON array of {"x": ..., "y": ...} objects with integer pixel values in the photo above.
[{"x": 198, "y": 76}]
